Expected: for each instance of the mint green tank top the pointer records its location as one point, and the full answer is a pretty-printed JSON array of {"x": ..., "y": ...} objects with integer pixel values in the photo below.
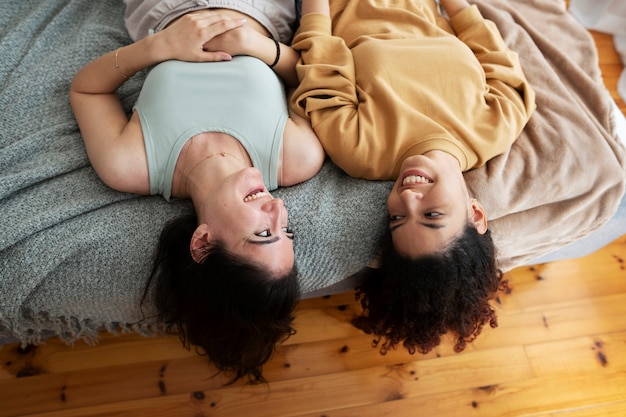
[{"x": 243, "y": 98}]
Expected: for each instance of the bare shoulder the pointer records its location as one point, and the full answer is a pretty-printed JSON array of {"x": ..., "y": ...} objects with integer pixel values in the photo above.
[
  {"x": 302, "y": 155},
  {"x": 124, "y": 165}
]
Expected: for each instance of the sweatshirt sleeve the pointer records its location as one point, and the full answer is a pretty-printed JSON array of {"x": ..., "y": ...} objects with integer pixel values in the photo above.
[
  {"x": 327, "y": 94},
  {"x": 508, "y": 91}
]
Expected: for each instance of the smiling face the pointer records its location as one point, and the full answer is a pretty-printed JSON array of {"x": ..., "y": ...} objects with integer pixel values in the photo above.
[
  {"x": 429, "y": 205},
  {"x": 248, "y": 221}
]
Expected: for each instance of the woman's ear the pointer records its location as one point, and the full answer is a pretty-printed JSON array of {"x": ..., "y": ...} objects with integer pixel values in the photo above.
[
  {"x": 200, "y": 238},
  {"x": 478, "y": 217}
]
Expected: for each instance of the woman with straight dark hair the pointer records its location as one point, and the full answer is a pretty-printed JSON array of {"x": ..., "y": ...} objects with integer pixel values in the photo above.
[
  {"x": 211, "y": 124},
  {"x": 232, "y": 308}
]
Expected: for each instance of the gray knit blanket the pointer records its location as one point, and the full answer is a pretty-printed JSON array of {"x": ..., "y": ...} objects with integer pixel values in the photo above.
[{"x": 74, "y": 254}]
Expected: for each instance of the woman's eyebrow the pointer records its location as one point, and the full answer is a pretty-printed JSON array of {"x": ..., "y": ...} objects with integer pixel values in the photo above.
[{"x": 429, "y": 225}]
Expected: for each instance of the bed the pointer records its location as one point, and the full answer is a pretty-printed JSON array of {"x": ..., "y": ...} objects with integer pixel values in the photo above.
[{"x": 74, "y": 254}]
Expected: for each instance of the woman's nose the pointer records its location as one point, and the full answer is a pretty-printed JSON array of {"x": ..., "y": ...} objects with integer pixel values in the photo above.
[
  {"x": 411, "y": 199},
  {"x": 273, "y": 205},
  {"x": 277, "y": 212},
  {"x": 411, "y": 196}
]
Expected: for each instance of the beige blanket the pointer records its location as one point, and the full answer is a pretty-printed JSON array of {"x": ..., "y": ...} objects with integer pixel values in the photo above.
[{"x": 564, "y": 176}]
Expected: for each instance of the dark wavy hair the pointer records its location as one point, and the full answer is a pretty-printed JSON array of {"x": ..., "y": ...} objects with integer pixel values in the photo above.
[
  {"x": 416, "y": 301},
  {"x": 229, "y": 308}
]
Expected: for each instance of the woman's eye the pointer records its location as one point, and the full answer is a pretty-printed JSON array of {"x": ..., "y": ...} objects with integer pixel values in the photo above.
[
  {"x": 264, "y": 233},
  {"x": 433, "y": 214},
  {"x": 288, "y": 231},
  {"x": 395, "y": 218}
]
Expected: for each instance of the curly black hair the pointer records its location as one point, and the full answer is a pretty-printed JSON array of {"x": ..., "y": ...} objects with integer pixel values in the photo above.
[
  {"x": 416, "y": 301},
  {"x": 229, "y": 308}
]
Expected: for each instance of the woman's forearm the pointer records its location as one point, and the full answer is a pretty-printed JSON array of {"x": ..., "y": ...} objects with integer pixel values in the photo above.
[
  {"x": 281, "y": 57},
  {"x": 106, "y": 73},
  {"x": 286, "y": 65},
  {"x": 183, "y": 40}
]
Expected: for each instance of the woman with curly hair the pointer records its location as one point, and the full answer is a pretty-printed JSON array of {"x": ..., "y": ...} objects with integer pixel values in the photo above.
[
  {"x": 450, "y": 294},
  {"x": 396, "y": 91}
]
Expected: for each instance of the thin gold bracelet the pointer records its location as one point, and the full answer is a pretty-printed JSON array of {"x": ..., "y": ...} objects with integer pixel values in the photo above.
[{"x": 117, "y": 66}]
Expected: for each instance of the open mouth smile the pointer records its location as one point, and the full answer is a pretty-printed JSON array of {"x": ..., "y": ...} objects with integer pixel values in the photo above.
[
  {"x": 255, "y": 195},
  {"x": 416, "y": 179}
]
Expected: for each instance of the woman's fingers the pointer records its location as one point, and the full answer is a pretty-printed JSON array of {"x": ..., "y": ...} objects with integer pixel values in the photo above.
[
  {"x": 187, "y": 36},
  {"x": 215, "y": 29}
]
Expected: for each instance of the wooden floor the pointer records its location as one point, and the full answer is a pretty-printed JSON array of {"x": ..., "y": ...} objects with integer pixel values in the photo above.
[{"x": 560, "y": 350}]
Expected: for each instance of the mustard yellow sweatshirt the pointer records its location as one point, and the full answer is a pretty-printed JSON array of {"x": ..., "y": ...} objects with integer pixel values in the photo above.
[{"x": 389, "y": 79}]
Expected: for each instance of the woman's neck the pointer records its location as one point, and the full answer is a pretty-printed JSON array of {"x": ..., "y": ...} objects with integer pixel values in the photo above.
[
  {"x": 444, "y": 157},
  {"x": 205, "y": 160}
]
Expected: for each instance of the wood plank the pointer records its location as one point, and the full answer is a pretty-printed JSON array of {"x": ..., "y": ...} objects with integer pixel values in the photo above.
[
  {"x": 564, "y": 282},
  {"x": 54, "y": 356},
  {"x": 532, "y": 397},
  {"x": 614, "y": 409},
  {"x": 579, "y": 356},
  {"x": 318, "y": 394},
  {"x": 589, "y": 316}
]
